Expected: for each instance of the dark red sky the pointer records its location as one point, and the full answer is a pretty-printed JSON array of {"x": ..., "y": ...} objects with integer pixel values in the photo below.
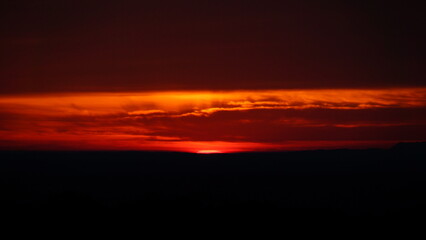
[
  {"x": 221, "y": 76},
  {"x": 51, "y": 45}
]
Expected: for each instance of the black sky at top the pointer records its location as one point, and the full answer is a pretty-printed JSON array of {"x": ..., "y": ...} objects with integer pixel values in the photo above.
[{"x": 51, "y": 46}]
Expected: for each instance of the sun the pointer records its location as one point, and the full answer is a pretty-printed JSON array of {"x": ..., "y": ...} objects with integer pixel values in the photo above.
[{"x": 208, "y": 151}]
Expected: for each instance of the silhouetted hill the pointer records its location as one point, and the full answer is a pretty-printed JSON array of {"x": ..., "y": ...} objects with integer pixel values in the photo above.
[
  {"x": 323, "y": 182},
  {"x": 414, "y": 147}
]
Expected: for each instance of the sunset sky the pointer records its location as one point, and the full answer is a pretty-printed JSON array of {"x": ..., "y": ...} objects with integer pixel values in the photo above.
[{"x": 211, "y": 76}]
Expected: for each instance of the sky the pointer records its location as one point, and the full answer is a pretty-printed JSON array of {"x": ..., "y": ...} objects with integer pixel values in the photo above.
[{"x": 211, "y": 76}]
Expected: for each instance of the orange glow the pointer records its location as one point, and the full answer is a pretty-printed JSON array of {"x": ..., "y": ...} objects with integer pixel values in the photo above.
[
  {"x": 222, "y": 121},
  {"x": 208, "y": 151},
  {"x": 204, "y": 103}
]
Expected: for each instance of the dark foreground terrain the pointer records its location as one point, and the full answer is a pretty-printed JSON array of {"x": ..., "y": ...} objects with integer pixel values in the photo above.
[{"x": 336, "y": 182}]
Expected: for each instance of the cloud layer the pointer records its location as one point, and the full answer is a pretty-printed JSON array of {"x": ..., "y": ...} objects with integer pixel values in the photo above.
[{"x": 226, "y": 121}]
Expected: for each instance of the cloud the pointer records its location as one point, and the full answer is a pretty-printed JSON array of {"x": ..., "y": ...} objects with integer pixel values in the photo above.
[
  {"x": 166, "y": 120},
  {"x": 145, "y": 112}
]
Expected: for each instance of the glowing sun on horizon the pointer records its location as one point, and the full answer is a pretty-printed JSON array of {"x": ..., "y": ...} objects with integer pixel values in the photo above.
[{"x": 208, "y": 151}]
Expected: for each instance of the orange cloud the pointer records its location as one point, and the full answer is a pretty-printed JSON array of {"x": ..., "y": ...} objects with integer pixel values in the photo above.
[{"x": 226, "y": 121}]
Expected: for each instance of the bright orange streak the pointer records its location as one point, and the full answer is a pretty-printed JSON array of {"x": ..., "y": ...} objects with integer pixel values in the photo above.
[
  {"x": 208, "y": 151},
  {"x": 205, "y": 103},
  {"x": 165, "y": 120}
]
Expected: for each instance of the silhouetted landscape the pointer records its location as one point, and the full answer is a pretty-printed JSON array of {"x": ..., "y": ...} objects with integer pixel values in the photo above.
[{"x": 322, "y": 182}]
